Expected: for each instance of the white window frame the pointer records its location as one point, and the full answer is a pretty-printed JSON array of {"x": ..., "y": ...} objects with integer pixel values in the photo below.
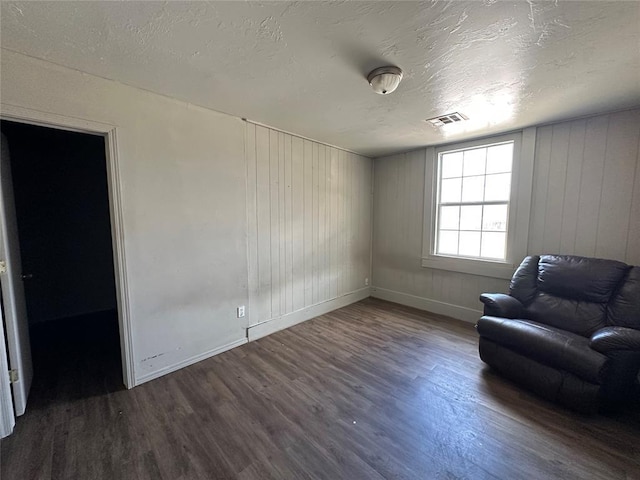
[{"x": 519, "y": 208}]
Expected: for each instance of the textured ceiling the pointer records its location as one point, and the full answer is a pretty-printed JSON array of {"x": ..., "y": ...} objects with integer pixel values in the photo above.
[{"x": 301, "y": 66}]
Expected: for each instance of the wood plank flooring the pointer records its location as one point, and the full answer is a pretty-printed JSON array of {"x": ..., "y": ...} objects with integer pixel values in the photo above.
[{"x": 371, "y": 391}]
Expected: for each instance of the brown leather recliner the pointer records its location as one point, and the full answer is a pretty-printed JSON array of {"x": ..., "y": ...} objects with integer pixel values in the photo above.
[{"x": 569, "y": 330}]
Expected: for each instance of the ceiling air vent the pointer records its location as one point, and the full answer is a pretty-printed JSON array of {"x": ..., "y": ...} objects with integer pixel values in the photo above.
[{"x": 443, "y": 120}]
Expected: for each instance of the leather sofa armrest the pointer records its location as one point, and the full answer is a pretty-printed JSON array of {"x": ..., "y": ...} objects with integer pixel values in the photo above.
[
  {"x": 501, "y": 305},
  {"x": 609, "y": 339}
]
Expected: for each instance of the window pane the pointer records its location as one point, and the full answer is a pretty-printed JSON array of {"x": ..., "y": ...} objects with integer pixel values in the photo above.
[
  {"x": 471, "y": 217},
  {"x": 493, "y": 245},
  {"x": 450, "y": 190},
  {"x": 449, "y": 218},
  {"x": 451, "y": 165},
  {"x": 472, "y": 189},
  {"x": 469, "y": 244},
  {"x": 448, "y": 243},
  {"x": 499, "y": 158},
  {"x": 498, "y": 187},
  {"x": 495, "y": 218},
  {"x": 474, "y": 161}
]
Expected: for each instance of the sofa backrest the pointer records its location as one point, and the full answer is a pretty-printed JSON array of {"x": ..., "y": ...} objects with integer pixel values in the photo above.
[
  {"x": 624, "y": 308},
  {"x": 577, "y": 294}
]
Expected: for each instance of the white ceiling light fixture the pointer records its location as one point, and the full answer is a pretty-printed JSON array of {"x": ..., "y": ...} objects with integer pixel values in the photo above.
[{"x": 385, "y": 80}]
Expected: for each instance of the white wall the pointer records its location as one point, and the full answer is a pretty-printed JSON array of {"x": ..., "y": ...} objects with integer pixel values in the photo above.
[
  {"x": 183, "y": 198},
  {"x": 586, "y": 201},
  {"x": 586, "y": 193},
  {"x": 191, "y": 223},
  {"x": 220, "y": 213},
  {"x": 309, "y": 216}
]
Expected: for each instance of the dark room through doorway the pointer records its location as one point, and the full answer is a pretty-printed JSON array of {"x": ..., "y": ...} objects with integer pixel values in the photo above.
[{"x": 64, "y": 228}]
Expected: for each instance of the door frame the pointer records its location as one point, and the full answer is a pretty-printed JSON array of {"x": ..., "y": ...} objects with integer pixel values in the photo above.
[{"x": 110, "y": 133}]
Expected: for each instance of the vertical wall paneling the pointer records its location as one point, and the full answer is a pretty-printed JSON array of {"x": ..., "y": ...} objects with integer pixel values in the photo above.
[
  {"x": 524, "y": 174},
  {"x": 288, "y": 264},
  {"x": 339, "y": 216},
  {"x": 326, "y": 219},
  {"x": 633, "y": 236},
  {"x": 336, "y": 206},
  {"x": 297, "y": 220},
  {"x": 539, "y": 193},
  {"x": 585, "y": 201},
  {"x": 365, "y": 224},
  {"x": 322, "y": 219},
  {"x": 587, "y": 208},
  {"x": 556, "y": 187},
  {"x": 345, "y": 223},
  {"x": 261, "y": 306},
  {"x": 349, "y": 220},
  {"x": 399, "y": 208},
  {"x": 252, "y": 225},
  {"x": 621, "y": 157},
  {"x": 274, "y": 209},
  {"x": 308, "y": 220},
  {"x": 344, "y": 188},
  {"x": 283, "y": 238},
  {"x": 591, "y": 185},
  {"x": 572, "y": 185},
  {"x": 309, "y": 210}
]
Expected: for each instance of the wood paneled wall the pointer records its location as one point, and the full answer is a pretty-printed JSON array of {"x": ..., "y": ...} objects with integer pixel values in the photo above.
[
  {"x": 586, "y": 201},
  {"x": 309, "y": 216},
  {"x": 586, "y": 194},
  {"x": 397, "y": 245}
]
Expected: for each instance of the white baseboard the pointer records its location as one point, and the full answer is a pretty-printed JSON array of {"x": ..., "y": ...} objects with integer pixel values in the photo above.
[
  {"x": 189, "y": 361},
  {"x": 441, "y": 308},
  {"x": 285, "y": 321}
]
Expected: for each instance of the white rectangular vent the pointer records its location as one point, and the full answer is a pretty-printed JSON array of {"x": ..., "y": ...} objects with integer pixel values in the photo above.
[{"x": 443, "y": 120}]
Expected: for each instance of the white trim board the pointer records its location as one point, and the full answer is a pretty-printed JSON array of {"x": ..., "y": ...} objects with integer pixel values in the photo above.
[
  {"x": 189, "y": 361},
  {"x": 441, "y": 308},
  {"x": 263, "y": 329},
  {"x": 109, "y": 132}
]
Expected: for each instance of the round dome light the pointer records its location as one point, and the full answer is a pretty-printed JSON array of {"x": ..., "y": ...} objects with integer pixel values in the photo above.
[{"x": 385, "y": 80}]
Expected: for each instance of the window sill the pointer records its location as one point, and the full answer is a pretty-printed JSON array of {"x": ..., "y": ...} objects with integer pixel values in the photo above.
[{"x": 484, "y": 268}]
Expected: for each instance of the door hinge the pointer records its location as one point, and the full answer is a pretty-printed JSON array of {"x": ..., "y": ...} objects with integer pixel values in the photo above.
[
  {"x": 13, "y": 376},
  {"x": 3, "y": 266}
]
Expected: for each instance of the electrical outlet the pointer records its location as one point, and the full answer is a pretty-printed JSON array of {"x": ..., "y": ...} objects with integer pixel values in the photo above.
[
  {"x": 241, "y": 311},
  {"x": 366, "y": 281}
]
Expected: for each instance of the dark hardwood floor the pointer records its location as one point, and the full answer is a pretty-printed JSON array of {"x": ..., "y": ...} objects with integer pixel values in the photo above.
[{"x": 371, "y": 391}]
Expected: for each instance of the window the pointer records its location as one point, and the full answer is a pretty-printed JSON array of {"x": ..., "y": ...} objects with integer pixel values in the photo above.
[
  {"x": 474, "y": 189},
  {"x": 477, "y": 200}
]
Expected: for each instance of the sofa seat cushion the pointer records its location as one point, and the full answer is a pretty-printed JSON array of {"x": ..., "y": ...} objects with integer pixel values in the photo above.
[{"x": 547, "y": 345}]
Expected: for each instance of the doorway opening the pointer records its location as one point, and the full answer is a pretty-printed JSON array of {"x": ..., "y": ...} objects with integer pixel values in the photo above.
[{"x": 61, "y": 192}]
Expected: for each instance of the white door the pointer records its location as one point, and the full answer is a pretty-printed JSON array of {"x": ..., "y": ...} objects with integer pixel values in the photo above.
[
  {"x": 7, "y": 416},
  {"x": 14, "y": 307}
]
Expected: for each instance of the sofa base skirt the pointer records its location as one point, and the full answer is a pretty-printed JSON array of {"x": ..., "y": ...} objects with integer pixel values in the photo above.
[{"x": 550, "y": 383}]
